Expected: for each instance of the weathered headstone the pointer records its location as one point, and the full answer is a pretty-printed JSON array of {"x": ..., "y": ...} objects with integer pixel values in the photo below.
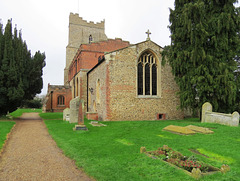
[
  {"x": 74, "y": 109},
  {"x": 206, "y": 107},
  {"x": 235, "y": 119},
  {"x": 66, "y": 114}
]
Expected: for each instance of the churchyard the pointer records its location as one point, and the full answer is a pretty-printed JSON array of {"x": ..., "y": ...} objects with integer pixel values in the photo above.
[{"x": 112, "y": 152}]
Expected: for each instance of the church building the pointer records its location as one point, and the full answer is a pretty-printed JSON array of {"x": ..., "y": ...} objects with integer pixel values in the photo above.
[{"x": 118, "y": 81}]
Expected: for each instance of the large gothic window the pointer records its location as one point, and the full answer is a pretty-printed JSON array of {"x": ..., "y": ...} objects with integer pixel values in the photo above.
[
  {"x": 61, "y": 100},
  {"x": 147, "y": 75}
]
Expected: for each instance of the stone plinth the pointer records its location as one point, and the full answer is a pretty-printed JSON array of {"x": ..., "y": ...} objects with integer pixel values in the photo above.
[
  {"x": 92, "y": 116},
  {"x": 80, "y": 127}
]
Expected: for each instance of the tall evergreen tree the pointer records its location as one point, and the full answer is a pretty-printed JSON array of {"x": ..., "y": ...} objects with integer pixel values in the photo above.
[
  {"x": 203, "y": 46},
  {"x": 35, "y": 82},
  {"x": 20, "y": 73}
]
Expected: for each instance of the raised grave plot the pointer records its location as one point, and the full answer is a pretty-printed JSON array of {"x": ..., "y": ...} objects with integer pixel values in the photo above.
[
  {"x": 187, "y": 130},
  {"x": 190, "y": 165}
]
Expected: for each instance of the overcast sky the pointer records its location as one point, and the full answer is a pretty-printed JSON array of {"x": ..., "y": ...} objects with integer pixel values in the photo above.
[{"x": 44, "y": 25}]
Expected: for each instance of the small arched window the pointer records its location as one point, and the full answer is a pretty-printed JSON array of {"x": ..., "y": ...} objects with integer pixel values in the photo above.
[
  {"x": 147, "y": 74},
  {"x": 61, "y": 100},
  {"x": 90, "y": 38}
]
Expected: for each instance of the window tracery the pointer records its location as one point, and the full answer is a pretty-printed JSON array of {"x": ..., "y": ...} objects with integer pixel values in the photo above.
[
  {"x": 61, "y": 100},
  {"x": 147, "y": 75}
]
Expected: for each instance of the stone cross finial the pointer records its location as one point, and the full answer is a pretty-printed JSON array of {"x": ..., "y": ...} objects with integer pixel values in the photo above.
[{"x": 148, "y": 33}]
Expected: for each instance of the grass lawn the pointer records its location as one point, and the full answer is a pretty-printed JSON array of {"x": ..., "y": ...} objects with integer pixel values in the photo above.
[
  {"x": 113, "y": 152},
  {"x": 5, "y": 128},
  {"x": 55, "y": 115},
  {"x": 19, "y": 112}
]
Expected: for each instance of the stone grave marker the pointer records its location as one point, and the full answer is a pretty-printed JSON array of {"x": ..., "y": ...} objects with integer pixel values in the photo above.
[
  {"x": 200, "y": 129},
  {"x": 220, "y": 118},
  {"x": 74, "y": 109},
  {"x": 66, "y": 114},
  {"x": 187, "y": 130},
  {"x": 206, "y": 107},
  {"x": 179, "y": 130}
]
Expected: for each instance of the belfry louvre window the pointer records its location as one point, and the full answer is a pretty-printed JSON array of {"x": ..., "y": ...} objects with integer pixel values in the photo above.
[
  {"x": 147, "y": 75},
  {"x": 61, "y": 100}
]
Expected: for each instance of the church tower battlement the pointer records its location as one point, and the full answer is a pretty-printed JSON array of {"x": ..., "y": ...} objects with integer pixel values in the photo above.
[{"x": 81, "y": 32}]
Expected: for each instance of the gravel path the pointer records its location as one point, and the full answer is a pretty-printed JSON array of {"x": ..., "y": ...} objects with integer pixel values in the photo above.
[{"x": 31, "y": 154}]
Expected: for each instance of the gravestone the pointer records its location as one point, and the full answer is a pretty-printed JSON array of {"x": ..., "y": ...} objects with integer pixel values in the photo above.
[
  {"x": 66, "y": 114},
  {"x": 235, "y": 119},
  {"x": 74, "y": 109},
  {"x": 206, "y": 107}
]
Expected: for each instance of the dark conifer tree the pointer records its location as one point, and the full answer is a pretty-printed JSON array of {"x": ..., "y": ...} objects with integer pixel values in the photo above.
[
  {"x": 35, "y": 82},
  {"x": 20, "y": 73},
  {"x": 203, "y": 46}
]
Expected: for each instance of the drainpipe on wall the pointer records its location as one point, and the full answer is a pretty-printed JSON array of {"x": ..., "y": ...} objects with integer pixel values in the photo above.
[
  {"x": 51, "y": 101},
  {"x": 87, "y": 92},
  {"x": 74, "y": 95}
]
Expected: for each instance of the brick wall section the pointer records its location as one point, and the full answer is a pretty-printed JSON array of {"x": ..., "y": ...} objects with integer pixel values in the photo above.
[
  {"x": 54, "y": 91},
  {"x": 123, "y": 103},
  {"x": 87, "y": 58},
  {"x": 87, "y": 55}
]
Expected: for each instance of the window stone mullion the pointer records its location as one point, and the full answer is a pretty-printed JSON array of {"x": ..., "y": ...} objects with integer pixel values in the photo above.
[{"x": 144, "y": 79}]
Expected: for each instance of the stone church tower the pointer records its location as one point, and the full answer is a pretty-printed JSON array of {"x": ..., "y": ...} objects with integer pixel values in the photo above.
[{"x": 81, "y": 32}]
